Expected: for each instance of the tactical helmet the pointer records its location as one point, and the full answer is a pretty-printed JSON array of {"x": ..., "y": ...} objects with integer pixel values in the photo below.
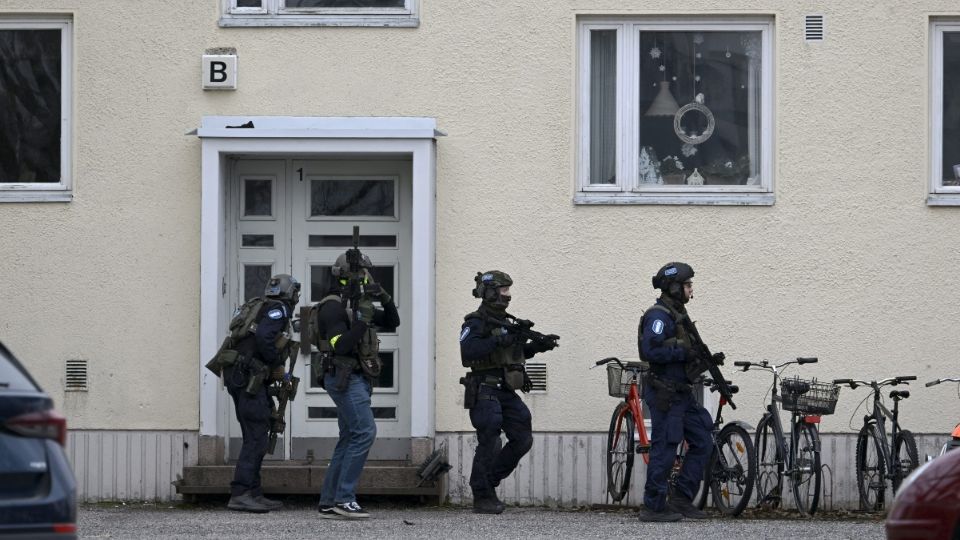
[
  {"x": 488, "y": 287},
  {"x": 341, "y": 268},
  {"x": 670, "y": 279},
  {"x": 283, "y": 286}
]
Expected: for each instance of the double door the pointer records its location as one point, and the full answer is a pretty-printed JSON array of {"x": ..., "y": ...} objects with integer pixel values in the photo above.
[{"x": 296, "y": 216}]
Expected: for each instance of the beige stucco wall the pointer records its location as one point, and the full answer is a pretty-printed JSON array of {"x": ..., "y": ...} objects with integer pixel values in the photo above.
[{"x": 849, "y": 265}]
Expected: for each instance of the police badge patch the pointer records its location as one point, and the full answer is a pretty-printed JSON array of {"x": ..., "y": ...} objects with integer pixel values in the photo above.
[
  {"x": 465, "y": 333},
  {"x": 657, "y": 327},
  {"x": 275, "y": 314}
]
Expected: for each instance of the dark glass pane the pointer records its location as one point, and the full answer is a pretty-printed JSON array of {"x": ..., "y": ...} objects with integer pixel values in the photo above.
[
  {"x": 351, "y": 198},
  {"x": 603, "y": 106},
  {"x": 321, "y": 282},
  {"x": 384, "y": 413},
  {"x": 344, "y": 3},
  {"x": 709, "y": 82},
  {"x": 30, "y": 105},
  {"x": 257, "y": 240},
  {"x": 249, "y": 3},
  {"x": 257, "y": 198},
  {"x": 951, "y": 109},
  {"x": 385, "y": 380},
  {"x": 255, "y": 278},
  {"x": 346, "y": 240}
]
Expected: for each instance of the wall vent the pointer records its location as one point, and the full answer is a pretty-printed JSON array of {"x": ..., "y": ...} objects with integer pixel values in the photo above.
[
  {"x": 813, "y": 28},
  {"x": 76, "y": 376},
  {"x": 538, "y": 376}
]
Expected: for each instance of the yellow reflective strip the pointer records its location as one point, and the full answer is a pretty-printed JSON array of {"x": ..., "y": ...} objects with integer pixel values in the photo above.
[
  {"x": 333, "y": 340},
  {"x": 343, "y": 282}
]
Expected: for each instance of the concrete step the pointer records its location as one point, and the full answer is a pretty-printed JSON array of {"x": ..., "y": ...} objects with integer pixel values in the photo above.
[{"x": 292, "y": 478}]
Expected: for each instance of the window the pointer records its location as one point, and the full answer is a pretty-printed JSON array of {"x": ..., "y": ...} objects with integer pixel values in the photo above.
[
  {"x": 675, "y": 111},
  {"x": 35, "y": 96},
  {"x": 397, "y": 13},
  {"x": 945, "y": 113}
]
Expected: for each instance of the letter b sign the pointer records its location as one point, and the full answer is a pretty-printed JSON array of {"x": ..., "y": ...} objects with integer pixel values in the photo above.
[{"x": 219, "y": 72}]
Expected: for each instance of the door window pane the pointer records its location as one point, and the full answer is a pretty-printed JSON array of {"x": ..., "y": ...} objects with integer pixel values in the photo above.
[
  {"x": 346, "y": 240},
  {"x": 352, "y": 198},
  {"x": 344, "y": 3},
  {"x": 951, "y": 109},
  {"x": 249, "y": 3},
  {"x": 255, "y": 278},
  {"x": 700, "y": 108},
  {"x": 385, "y": 380},
  {"x": 30, "y": 100},
  {"x": 603, "y": 106},
  {"x": 258, "y": 198},
  {"x": 257, "y": 240}
]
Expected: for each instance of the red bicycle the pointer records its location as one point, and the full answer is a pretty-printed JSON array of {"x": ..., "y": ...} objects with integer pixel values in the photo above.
[
  {"x": 628, "y": 432},
  {"x": 954, "y": 442}
]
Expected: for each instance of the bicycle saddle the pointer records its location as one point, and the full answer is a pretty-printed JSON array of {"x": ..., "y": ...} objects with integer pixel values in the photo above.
[{"x": 900, "y": 394}]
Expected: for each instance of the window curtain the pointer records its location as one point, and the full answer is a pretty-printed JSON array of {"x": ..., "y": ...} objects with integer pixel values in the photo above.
[{"x": 603, "y": 107}]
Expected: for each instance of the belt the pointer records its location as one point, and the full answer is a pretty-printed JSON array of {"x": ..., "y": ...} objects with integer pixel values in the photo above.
[{"x": 673, "y": 386}]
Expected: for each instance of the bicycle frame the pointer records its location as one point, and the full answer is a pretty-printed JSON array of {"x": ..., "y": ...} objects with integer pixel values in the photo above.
[
  {"x": 878, "y": 418},
  {"x": 633, "y": 402},
  {"x": 773, "y": 412}
]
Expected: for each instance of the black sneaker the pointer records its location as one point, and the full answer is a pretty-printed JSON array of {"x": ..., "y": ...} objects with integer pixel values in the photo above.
[
  {"x": 246, "y": 503},
  {"x": 487, "y": 505},
  {"x": 269, "y": 503},
  {"x": 684, "y": 506},
  {"x": 327, "y": 512},
  {"x": 350, "y": 510},
  {"x": 665, "y": 515}
]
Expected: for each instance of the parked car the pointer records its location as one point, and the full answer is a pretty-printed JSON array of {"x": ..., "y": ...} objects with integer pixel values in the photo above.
[
  {"x": 928, "y": 503},
  {"x": 38, "y": 492}
]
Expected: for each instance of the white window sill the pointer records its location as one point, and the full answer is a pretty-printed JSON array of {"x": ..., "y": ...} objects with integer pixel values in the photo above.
[
  {"x": 389, "y": 21},
  {"x": 34, "y": 195},
  {"x": 689, "y": 199},
  {"x": 943, "y": 199}
]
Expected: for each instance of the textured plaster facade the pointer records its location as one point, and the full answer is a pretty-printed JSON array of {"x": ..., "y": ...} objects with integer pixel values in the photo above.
[{"x": 850, "y": 264}]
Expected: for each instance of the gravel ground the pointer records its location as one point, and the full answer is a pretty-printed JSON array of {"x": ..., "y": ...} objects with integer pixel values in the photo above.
[{"x": 399, "y": 520}]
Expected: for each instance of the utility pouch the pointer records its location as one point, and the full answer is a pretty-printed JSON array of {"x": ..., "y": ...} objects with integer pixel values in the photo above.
[
  {"x": 368, "y": 353},
  {"x": 343, "y": 367},
  {"x": 471, "y": 387},
  {"x": 224, "y": 358},
  {"x": 257, "y": 373},
  {"x": 513, "y": 376}
]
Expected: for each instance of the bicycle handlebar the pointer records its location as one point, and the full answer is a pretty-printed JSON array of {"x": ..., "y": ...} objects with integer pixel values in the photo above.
[
  {"x": 938, "y": 381},
  {"x": 608, "y": 360},
  {"x": 893, "y": 381},
  {"x": 932, "y": 383},
  {"x": 807, "y": 360},
  {"x": 741, "y": 363}
]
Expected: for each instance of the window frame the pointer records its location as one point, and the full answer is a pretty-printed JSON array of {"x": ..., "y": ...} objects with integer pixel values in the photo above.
[
  {"x": 61, "y": 191},
  {"x": 938, "y": 194},
  {"x": 628, "y": 189},
  {"x": 275, "y": 13}
]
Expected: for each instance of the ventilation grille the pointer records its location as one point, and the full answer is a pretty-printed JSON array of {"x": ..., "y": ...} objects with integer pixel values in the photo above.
[
  {"x": 813, "y": 28},
  {"x": 538, "y": 376},
  {"x": 76, "y": 376}
]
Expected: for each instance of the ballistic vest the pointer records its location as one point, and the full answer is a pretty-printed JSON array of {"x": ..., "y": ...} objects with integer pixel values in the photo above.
[
  {"x": 501, "y": 356},
  {"x": 681, "y": 337},
  {"x": 368, "y": 348}
]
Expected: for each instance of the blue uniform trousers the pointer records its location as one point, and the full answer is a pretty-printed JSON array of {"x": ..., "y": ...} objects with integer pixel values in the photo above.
[
  {"x": 253, "y": 413},
  {"x": 685, "y": 420},
  {"x": 494, "y": 411}
]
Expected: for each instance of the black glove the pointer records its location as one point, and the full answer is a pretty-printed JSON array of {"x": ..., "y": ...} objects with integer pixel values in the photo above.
[
  {"x": 718, "y": 358},
  {"x": 548, "y": 343},
  {"x": 527, "y": 384}
]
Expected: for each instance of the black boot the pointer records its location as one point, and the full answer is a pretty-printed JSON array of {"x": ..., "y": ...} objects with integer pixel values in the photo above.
[
  {"x": 683, "y": 505},
  {"x": 664, "y": 515},
  {"x": 486, "y": 504}
]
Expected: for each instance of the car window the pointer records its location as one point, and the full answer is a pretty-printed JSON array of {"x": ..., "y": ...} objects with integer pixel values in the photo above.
[
  {"x": 21, "y": 455},
  {"x": 11, "y": 378}
]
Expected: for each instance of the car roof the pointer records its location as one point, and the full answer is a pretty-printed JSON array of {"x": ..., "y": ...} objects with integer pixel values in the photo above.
[{"x": 12, "y": 373}]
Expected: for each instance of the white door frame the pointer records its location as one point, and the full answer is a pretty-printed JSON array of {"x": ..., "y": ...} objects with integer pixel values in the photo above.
[{"x": 314, "y": 136}]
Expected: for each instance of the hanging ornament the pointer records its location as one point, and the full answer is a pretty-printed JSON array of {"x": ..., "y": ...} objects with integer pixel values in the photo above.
[
  {"x": 663, "y": 68},
  {"x": 688, "y": 150},
  {"x": 664, "y": 104},
  {"x": 727, "y": 54},
  {"x": 697, "y": 106},
  {"x": 698, "y": 39},
  {"x": 698, "y": 55},
  {"x": 655, "y": 53}
]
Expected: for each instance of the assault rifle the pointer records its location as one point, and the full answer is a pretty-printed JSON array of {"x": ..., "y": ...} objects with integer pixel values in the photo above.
[
  {"x": 356, "y": 286},
  {"x": 284, "y": 390},
  {"x": 522, "y": 327},
  {"x": 706, "y": 361}
]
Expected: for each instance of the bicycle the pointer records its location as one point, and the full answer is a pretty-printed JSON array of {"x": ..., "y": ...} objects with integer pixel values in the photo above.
[
  {"x": 628, "y": 432},
  {"x": 875, "y": 464},
  {"x": 729, "y": 473},
  {"x": 731, "y": 470},
  {"x": 798, "y": 461},
  {"x": 954, "y": 442}
]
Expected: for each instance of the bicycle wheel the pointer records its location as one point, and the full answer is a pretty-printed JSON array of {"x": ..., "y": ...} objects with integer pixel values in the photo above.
[
  {"x": 907, "y": 458},
  {"x": 806, "y": 473},
  {"x": 769, "y": 465},
  {"x": 870, "y": 469},
  {"x": 732, "y": 470},
  {"x": 620, "y": 452}
]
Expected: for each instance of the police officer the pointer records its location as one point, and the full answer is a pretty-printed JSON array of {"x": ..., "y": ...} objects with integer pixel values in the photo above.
[
  {"x": 669, "y": 395},
  {"x": 246, "y": 382},
  {"x": 495, "y": 353},
  {"x": 346, "y": 335}
]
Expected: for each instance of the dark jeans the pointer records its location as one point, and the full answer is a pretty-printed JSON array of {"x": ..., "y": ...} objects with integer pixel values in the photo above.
[
  {"x": 253, "y": 413},
  {"x": 494, "y": 411},
  {"x": 686, "y": 420}
]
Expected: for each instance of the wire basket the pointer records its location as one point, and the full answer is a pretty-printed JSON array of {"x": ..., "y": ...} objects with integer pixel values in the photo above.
[
  {"x": 618, "y": 379},
  {"x": 809, "y": 397}
]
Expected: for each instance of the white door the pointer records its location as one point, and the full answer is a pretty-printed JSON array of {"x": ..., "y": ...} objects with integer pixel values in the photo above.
[{"x": 318, "y": 204}]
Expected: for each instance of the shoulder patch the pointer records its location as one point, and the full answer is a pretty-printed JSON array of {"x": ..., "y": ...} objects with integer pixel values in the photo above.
[
  {"x": 657, "y": 327},
  {"x": 464, "y": 333},
  {"x": 275, "y": 314}
]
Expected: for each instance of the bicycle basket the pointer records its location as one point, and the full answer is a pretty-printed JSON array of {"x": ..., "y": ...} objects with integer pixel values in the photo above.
[
  {"x": 819, "y": 398},
  {"x": 618, "y": 379}
]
